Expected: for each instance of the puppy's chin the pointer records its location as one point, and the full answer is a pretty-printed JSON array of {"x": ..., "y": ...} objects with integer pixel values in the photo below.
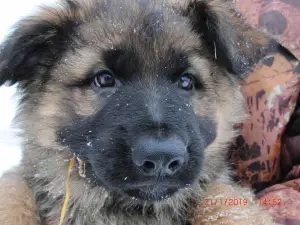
[
  {"x": 151, "y": 193},
  {"x": 141, "y": 192}
]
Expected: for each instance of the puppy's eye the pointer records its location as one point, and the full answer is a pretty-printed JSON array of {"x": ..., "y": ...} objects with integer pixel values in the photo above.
[
  {"x": 104, "y": 78},
  {"x": 186, "y": 81}
]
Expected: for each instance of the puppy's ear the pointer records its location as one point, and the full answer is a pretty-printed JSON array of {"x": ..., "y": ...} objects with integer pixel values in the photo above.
[
  {"x": 231, "y": 42},
  {"x": 37, "y": 43}
]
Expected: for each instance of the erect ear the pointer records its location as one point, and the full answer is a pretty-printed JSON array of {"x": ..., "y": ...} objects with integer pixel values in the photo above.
[
  {"x": 37, "y": 43},
  {"x": 231, "y": 42}
]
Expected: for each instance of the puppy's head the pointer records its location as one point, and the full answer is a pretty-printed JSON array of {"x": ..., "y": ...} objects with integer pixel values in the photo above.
[{"x": 145, "y": 93}]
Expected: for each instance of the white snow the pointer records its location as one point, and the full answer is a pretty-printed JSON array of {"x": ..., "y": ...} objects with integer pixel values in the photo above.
[{"x": 10, "y": 152}]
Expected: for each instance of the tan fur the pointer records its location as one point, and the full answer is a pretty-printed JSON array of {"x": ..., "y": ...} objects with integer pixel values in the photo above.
[{"x": 17, "y": 206}]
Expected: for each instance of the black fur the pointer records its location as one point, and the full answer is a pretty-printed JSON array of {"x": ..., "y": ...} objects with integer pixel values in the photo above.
[
  {"x": 222, "y": 37},
  {"x": 30, "y": 53}
]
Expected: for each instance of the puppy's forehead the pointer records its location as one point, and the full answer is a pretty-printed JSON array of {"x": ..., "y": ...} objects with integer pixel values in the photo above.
[
  {"x": 140, "y": 39},
  {"x": 143, "y": 28}
]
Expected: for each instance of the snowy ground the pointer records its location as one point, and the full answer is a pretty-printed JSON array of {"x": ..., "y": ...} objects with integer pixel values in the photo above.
[{"x": 10, "y": 152}]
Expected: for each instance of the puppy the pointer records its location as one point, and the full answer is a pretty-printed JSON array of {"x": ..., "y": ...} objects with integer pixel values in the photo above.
[{"x": 144, "y": 94}]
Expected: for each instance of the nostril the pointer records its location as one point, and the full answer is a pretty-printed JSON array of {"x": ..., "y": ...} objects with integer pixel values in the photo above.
[
  {"x": 158, "y": 157},
  {"x": 149, "y": 166},
  {"x": 175, "y": 165}
]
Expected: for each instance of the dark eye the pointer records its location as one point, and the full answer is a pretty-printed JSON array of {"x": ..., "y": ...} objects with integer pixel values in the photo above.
[
  {"x": 186, "y": 81},
  {"x": 104, "y": 78}
]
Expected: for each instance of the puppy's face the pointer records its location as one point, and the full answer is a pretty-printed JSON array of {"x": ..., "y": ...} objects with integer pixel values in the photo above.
[{"x": 141, "y": 92}]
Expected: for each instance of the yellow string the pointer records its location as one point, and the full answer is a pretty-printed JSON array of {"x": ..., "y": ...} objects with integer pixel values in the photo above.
[{"x": 67, "y": 197}]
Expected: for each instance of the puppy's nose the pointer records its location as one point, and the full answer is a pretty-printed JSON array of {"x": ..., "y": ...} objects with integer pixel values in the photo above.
[{"x": 155, "y": 157}]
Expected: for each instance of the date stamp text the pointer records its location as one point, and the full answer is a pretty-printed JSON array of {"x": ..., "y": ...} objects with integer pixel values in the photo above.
[{"x": 231, "y": 202}]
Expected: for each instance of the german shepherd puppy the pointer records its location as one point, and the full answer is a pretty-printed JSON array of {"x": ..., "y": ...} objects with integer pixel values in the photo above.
[{"x": 144, "y": 93}]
